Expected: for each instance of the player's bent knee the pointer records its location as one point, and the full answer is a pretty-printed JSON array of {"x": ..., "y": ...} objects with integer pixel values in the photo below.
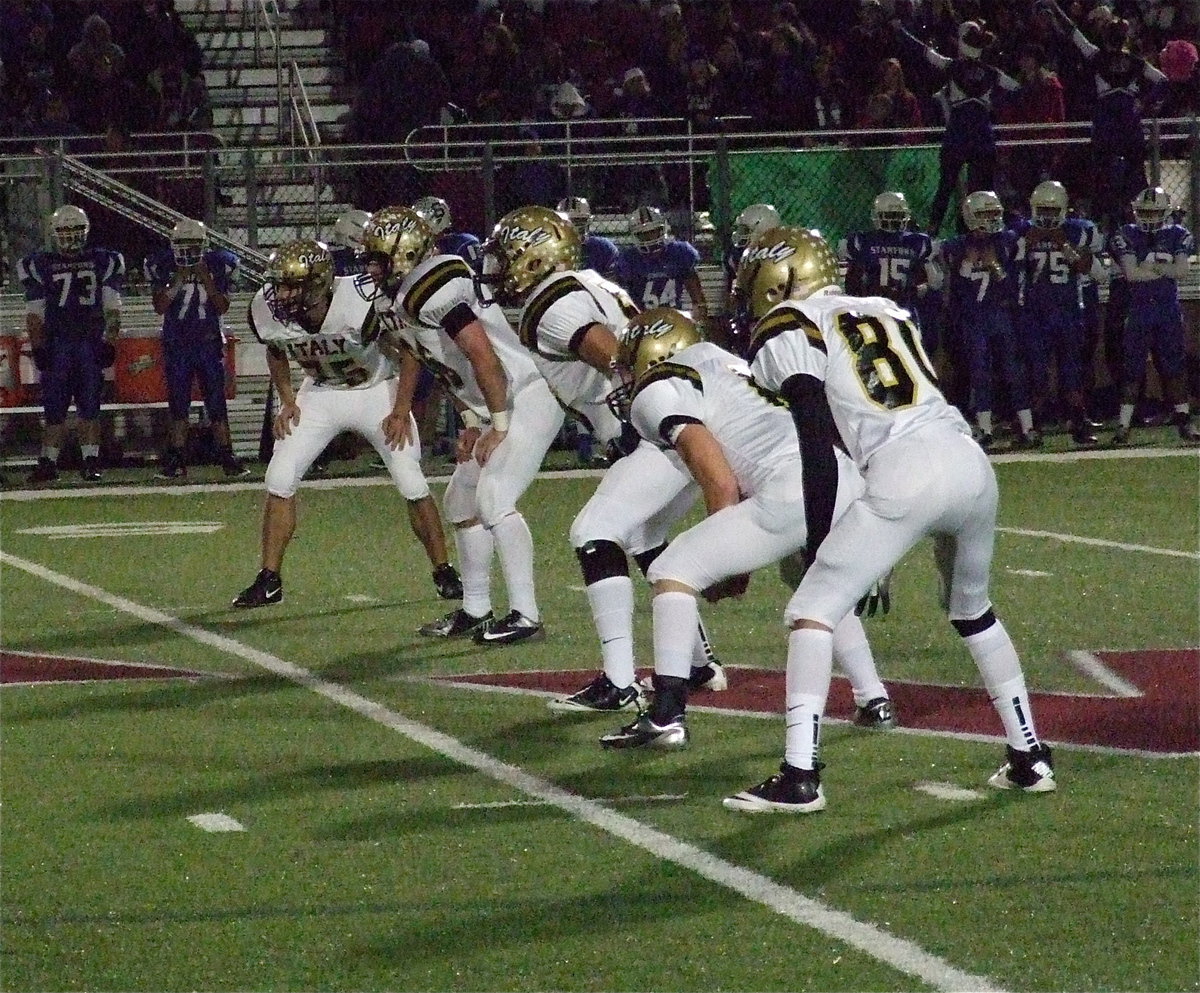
[
  {"x": 646, "y": 559},
  {"x": 282, "y": 480},
  {"x": 601, "y": 560},
  {"x": 966, "y": 628}
]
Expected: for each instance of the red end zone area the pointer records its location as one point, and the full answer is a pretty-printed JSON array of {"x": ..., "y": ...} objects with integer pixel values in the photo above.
[
  {"x": 26, "y": 668},
  {"x": 1164, "y": 719}
]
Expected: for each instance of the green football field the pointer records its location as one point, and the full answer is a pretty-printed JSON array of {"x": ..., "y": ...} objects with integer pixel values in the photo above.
[{"x": 323, "y": 800}]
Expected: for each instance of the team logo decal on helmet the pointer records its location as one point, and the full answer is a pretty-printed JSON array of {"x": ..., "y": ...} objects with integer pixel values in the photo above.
[
  {"x": 526, "y": 246},
  {"x": 646, "y": 342},
  {"x": 395, "y": 241},
  {"x": 299, "y": 275},
  {"x": 785, "y": 264}
]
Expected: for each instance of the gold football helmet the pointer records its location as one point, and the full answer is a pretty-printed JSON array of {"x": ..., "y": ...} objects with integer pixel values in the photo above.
[
  {"x": 397, "y": 240},
  {"x": 784, "y": 264},
  {"x": 647, "y": 341},
  {"x": 527, "y": 245},
  {"x": 299, "y": 275}
]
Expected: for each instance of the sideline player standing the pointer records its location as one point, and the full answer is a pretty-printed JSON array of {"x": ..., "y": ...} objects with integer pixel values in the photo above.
[
  {"x": 859, "y": 359},
  {"x": 190, "y": 284},
  {"x": 303, "y": 314},
  {"x": 73, "y": 318}
]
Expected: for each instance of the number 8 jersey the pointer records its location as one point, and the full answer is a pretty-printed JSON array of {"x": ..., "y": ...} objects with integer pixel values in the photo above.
[
  {"x": 867, "y": 351},
  {"x": 343, "y": 353}
]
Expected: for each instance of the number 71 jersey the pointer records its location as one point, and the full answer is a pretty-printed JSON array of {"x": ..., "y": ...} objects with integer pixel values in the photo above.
[{"x": 867, "y": 351}]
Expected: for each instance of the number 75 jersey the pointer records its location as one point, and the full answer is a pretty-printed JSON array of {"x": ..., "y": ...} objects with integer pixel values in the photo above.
[{"x": 867, "y": 351}]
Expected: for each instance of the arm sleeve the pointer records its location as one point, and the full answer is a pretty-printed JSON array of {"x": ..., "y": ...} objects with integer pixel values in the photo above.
[{"x": 810, "y": 412}]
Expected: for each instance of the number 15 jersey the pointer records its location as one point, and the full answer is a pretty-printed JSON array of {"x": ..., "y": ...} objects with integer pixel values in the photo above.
[{"x": 867, "y": 351}]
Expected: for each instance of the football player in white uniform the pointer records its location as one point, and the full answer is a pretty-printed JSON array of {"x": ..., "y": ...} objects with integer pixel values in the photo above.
[
  {"x": 739, "y": 444},
  {"x": 569, "y": 320},
  {"x": 304, "y": 314},
  {"x": 861, "y": 359},
  {"x": 431, "y": 304}
]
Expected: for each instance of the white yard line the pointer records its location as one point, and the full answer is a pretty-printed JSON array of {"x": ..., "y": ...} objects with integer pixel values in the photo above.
[
  {"x": 1091, "y": 666},
  {"x": 216, "y": 823},
  {"x": 1078, "y": 539},
  {"x": 899, "y": 953}
]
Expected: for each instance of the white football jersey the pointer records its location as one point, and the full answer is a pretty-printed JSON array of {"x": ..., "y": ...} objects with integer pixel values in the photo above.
[
  {"x": 866, "y": 350},
  {"x": 704, "y": 384},
  {"x": 556, "y": 315},
  {"x": 436, "y": 300},
  {"x": 343, "y": 354}
]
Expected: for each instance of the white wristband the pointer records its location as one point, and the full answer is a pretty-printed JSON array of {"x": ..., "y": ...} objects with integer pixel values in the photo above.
[
  {"x": 500, "y": 420},
  {"x": 470, "y": 419}
]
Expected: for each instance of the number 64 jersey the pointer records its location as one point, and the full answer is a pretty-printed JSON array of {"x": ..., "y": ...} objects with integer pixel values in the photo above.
[
  {"x": 867, "y": 351},
  {"x": 343, "y": 354}
]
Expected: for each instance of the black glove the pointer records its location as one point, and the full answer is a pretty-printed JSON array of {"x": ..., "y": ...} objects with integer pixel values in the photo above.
[
  {"x": 107, "y": 353},
  {"x": 878, "y": 599},
  {"x": 734, "y": 586},
  {"x": 41, "y": 358}
]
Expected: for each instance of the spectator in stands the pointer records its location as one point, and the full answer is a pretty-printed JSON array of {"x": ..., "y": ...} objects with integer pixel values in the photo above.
[
  {"x": 630, "y": 185},
  {"x": 102, "y": 95},
  {"x": 867, "y": 43},
  {"x": 48, "y": 116},
  {"x": 705, "y": 96},
  {"x": 734, "y": 79},
  {"x": 831, "y": 96},
  {"x": 179, "y": 101},
  {"x": 536, "y": 179},
  {"x": 790, "y": 89},
  {"x": 150, "y": 30},
  {"x": 1039, "y": 101},
  {"x": 492, "y": 85},
  {"x": 191, "y": 283}
]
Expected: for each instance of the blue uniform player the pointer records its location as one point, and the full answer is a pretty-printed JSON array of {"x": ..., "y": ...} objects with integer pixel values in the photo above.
[
  {"x": 191, "y": 285},
  {"x": 747, "y": 226},
  {"x": 600, "y": 254},
  {"x": 345, "y": 244},
  {"x": 1054, "y": 254},
  {"x": 981, "y": 270},
  {"x": 467, "y": 246},
  {"x": 1153, "y": 256},
  {"x": 73, "y": 318},
  {"x": 658, "y": 270}
]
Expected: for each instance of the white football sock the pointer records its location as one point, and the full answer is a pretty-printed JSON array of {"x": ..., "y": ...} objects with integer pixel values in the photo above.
[
  {"x": 475, "y": 547},
  {"x": 514, "y": 546},
  {"x": 611, "y": 601},
  {"x": 676, "y": 615},
  {"x": 809, "y": 669},
  {"x": 852, "y": 652}
]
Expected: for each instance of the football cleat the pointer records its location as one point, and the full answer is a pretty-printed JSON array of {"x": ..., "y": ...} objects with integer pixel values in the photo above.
[
  {"x": 877, "y": 714},
  {"x": 454, "y": 625},
  {"x": 91, "y": 469},
  {"x": 513, "y": 626},
  {"x": 233, "y": 467},
  {"x": 1187, "y": 430},
  {"x": 789, "y": 791},
  {"x": 1083, "y": 435},
  {"x": 171, "y": 465},
  {"x": 709, "y": 677},
  {"x": 46, "y": 471},
  {"x": 645, "y": 733},
  {"x": 987, "y": 440},
  {"x": 1121, "y": 435},
  {"x": 1031, "y": 771},
  {"x": 600, "y": 695},
  {"x": 266, "y": 589},
  {"x": 449, "y": 586},
  {"x": 1028, "y": 439}
]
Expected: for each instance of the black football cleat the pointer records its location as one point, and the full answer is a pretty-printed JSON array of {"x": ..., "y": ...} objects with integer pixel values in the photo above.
[
  {"x": 789, "y": 791},
  {"x": 234, "y": 468},
  {"x": 512, "y": 627},
  {"x": 46, "y": 471},
  {"x": 671, "y": 735},
  {"x": 876, "y": 715},
  {"x": 1030, "y": 772},
  {"x": 266, "y": 589},
  {"x": 455, "y": 624},
  {"x": 171, "y": 465},
  {"x": 446, "y": 579},
  {"x": 91, "y": 470},
  {"x": 601, "y": 695}
]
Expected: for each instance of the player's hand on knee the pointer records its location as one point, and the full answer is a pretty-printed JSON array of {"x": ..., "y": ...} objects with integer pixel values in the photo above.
[
  {"x": 487, "y": 444},
  {"x": 734, "y": 586},
  {"x": 878, "y": 599},
  {"x": 464, "y": 448}
]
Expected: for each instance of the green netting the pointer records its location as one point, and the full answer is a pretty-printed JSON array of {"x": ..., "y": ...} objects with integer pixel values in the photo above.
[{"x": 830, "y": 189}]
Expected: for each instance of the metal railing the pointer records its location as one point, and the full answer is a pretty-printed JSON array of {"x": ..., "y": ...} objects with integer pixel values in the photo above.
[
  {"x": 266, "y": 21},
  {"x": 302, "y": 122}
]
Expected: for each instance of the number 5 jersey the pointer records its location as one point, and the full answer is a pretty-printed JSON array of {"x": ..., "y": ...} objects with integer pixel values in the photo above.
[{"x": 343, "y": 354}]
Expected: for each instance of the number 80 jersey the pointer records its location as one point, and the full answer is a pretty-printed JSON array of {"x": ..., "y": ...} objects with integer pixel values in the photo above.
[{"x": 867, "y": 351}]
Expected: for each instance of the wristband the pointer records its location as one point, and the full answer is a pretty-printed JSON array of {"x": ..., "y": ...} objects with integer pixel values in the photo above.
[
  {"x": 500, "y": 420},
  {"x": 470, "y": 419}
]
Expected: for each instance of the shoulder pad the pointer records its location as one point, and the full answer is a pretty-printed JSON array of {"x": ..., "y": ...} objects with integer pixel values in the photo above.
[{"x": 444, "y": 270}]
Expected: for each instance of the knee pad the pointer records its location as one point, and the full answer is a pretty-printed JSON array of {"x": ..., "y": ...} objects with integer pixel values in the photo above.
[
  {"x": 967, "y": 628},
  {"x": 601, "y": 560},
  {"x": 646, "y": 559}
]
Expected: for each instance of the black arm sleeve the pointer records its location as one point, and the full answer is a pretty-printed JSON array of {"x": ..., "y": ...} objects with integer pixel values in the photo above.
[
  {"x": 457, "y": 318},
  {"x": 805, "y": 396}
]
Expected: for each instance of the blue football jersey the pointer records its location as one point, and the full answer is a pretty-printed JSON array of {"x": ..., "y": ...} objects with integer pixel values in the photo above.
[
  {"x": 1147, "y": 297},
  {"x": 191, "y": 314},
  {"x": 887, "y": 263},
  {"x": 347, "y": 261},
  {"x": 72, "y": 287},
  {"x": 1048, "y": 282},
  {"x": 972, "y": 285},
  {"x": 655, "y": 279},
  {"x": 601, "y": 255},
  {"x": 465, "y": 245}
]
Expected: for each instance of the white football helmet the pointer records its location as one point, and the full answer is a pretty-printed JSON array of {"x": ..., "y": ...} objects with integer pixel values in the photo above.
[
  {"x": 70, "y": 227},
  {"x": 435, "y": 211},
  {"x": 889, "y": 211},
  {"x": 578, "y": 211},
  {"x": 753, "y": 221},
  {"x": 649, "y": 228},
  {"x": 189, "y": 240},
  {"x": 983, "y": 211},
  {"x": 1150, "y": 208},
  {"x": 348, "y": 229},
  {"x": 1048, "y": 204}
]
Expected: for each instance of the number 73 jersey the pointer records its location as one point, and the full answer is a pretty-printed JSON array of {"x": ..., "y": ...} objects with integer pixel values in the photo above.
[{"x": 867, "y": 351}]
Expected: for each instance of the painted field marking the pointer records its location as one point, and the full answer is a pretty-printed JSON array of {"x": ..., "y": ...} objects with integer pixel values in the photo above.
[
  {"x": 899, "y": 953},
  {"x": 947, "y": 791},
  {"x": 500, "y": 804},
  {"x": 123, "y": 529},
  {"x": 361, "y": 598},
  {"x": 1078, "y": 539},
  {"x": 216, "y": 823},
  {"x": 1091, "y": 666},
  {"x": 1037, "y": 573}
]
